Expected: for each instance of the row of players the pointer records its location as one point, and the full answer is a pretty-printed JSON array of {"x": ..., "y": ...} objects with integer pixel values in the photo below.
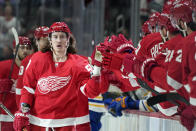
[{"x": 165, "y": 59}]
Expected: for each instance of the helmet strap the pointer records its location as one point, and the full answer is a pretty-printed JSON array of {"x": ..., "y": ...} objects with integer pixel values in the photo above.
[
  {"x": 165, "y": 38},
  {"x": 184, "y": 31}
]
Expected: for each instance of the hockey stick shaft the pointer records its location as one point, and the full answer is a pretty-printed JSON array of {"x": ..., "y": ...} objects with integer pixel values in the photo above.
[
  {"x": 166, "y": 97},
  {"x": 9, "y": 113},
  {"x": 145, "y": 85},
  {"x": 17, "y": 46},
  {"x": 6, "y": 110}
]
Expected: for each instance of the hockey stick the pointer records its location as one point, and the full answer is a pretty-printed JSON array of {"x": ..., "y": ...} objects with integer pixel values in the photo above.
[
  {"x": 6, "y": 110},
  {"x": 11, "y": 70},
  {"x": 17, "y": 46},
  {"x": 12, "y": 65},
  {"x": 9, "y": 113},
  {"x": 166, "y": 97},
  {"x": 162, "y": 97}
]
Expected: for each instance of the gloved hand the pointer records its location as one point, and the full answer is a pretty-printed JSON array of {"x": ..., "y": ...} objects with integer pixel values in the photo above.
[
  {"x": 110, "y": 104},
  {"x": 21, "y": 120},
  {"x": 110, "y": 76},
  {"x": 104, "y": 82},
  {"x": 126, "y": 63},
  {"x": 138, "y": 65},
  {"x": 97, "y": 59},
  {"x": 187, "y": 118},
  {"x": 108, "y": 101},
  {"x": 112, "y": 61},
  {"x": 6, "y": 85},
  {"x": 97, "y": 56},
  {"x": 119, "y": 44},
  {"x": 121, "y": 103}
]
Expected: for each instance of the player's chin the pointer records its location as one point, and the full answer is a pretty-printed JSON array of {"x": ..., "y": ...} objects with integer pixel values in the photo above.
[
  {"x": 23, "y": 56},
  {"x": 60, "y": 49}
]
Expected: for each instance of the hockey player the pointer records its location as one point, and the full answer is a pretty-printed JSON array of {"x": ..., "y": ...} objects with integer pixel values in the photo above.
[
  {"x": 150, "y": 47},
  {"x": 187, "y": 24},
  {"x": 145, "y": 29},
  {"x": 42, "y": 43},
  {"x": 56, "y": 86},
  {"x": 189, "y": 75},
  {"x": 8, "y": 85},
  {"x": 151, "y": 44},
  {"x": 188, "y": 62}
]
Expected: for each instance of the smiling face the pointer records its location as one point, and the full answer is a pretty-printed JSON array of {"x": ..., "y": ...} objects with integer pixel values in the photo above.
[
  {"x": 24, "y": 50},
  {"x": 59, "y": 42}
]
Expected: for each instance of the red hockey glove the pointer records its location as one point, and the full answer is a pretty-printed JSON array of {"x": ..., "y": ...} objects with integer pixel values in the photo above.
[
  {"x": 96, "y": 60},
  {"x": 112, "y": 61},
  {"x": 6, "y": 85},
  {"x": 104, "y": 85},
  {"x": 146, "y": 68},
  {"x": 21, "y": 120},
  {"x": 187, "y": 118},
  {"x": 107, "y": 78},
  {"x": 131, "y": 64},
  {"x": 120, "y": 44},
  {"x": 138, "y": 65},
  {"x": 97, "y": 56}
]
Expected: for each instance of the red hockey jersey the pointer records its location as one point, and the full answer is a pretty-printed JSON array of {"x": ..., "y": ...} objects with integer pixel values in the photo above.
[
  {"x": 174, "y": 72},
  {"x": 170, "y": 76},
  {"x": 189, "y": 66},
  {"x": 53, "y": 89},
  {"x": 19, "y": 85},
  {"x": 8, "y": 99},
  {"x": 150, "y": 46}
]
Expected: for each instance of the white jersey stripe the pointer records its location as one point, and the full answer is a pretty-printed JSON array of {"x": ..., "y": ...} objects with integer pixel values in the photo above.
[
  {"x": 158, "y": 89},
  {"x": 5, "y": 118},
  {"x": 193, "y": 101},
  {"x": 18, "y": 91},
  {"x": 82, "y": 89},
  {"x": 133, "y": 82},
  {"x": 169, "y": 111},
  {"x": 187, "y": 87},
  {"x": 173, "y": 83},
  {"x": 30, "y": 90},
  {"x": 59, "y": 122},
  {"x": 194, "y": 78}
]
